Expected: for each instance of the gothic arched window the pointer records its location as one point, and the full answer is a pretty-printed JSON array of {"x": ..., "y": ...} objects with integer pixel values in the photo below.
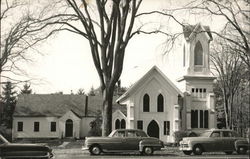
[
  {"x": 160, "y": 103},
  {"x": 117, "y": 124},
  {"x": 123, "y": 124},
  {"x": 146, "y": 101},
  {"x": 198, "y": 54}
]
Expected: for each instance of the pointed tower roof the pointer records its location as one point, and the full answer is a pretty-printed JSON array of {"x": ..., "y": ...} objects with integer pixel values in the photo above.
[{"x": 190, "y": 30}]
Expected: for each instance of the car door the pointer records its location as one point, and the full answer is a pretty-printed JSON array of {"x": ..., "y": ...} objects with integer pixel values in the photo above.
[
  {"x": 117, "y": 141},
  {"x": 132, "y": 140},
  {"x": 215, "y": 141},
  {"x": 227, "y": 141}
]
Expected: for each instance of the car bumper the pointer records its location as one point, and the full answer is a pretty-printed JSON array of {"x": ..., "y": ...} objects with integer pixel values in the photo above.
[
  {"x": 49, "y": 155},
  {"x": 84, "y": 148},
  {"x": 155, "y": 148},
  {"x": 185, "y": 147}
]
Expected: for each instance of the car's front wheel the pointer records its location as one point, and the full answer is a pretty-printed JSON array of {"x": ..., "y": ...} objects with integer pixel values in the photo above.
[
  {"x": 241, "y": 150},
  {"x": 95, "y": 150},
  {"x": 187, "y": 152},
  {"x": 148, "y": 150},
  {"x": 197, "y": 150}
]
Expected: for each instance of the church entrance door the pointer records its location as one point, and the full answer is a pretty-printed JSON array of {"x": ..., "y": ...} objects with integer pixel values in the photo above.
[{"x": 153, "y": 129}]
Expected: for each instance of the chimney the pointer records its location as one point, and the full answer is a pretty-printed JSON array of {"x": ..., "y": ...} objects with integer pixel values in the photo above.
[{"x": 86, "y": 106}]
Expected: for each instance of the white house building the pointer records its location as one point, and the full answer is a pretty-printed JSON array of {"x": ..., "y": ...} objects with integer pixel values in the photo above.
[
  {"x": 178, "y": 96},
  {"x": 57, "y": 115}
]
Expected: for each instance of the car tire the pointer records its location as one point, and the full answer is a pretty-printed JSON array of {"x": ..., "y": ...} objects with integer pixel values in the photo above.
[
  {"x": 197, "y": 150},
  {"x": 187, "y": 152},
  {"x": 148, "y": 150},
  {"x": 229, "y": 152},
  {"x": 95, "y": 150},
  {"x": 241, "y": 150}
]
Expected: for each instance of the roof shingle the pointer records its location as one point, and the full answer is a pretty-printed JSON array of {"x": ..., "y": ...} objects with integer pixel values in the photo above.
[{"x": 56, "y": 105}]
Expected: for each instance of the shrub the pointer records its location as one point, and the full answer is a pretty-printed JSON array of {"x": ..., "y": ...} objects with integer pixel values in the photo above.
[
  {"x": 95, "y": 126},
  {"x": 179, "y": 135},
  {"x": 94, "y": 131}
]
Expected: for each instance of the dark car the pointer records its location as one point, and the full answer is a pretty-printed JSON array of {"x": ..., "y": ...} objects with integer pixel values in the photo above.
[
  {"x": 124, "y": 140},
  {"x": 215, "y": 140},
  {"x": 15, "y": 150}
]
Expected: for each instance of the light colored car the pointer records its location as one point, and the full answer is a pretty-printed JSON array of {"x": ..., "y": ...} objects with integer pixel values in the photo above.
[
  {"x": 123, "y": 140},
  {"x": 15, "y": 150},
  {"x": 214, "y": 140}
]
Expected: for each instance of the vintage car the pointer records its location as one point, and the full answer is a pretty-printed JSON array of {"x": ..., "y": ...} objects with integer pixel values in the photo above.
[
  {"x": 15, "y": 150},
  {"x": 214, "y": 140},
  {"x": 123, "y": 140}
]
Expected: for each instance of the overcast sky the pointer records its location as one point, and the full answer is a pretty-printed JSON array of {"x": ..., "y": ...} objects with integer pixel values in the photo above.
[{"x": 67, "y": 63}]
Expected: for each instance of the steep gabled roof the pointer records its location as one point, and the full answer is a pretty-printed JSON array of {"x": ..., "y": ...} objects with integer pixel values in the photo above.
[
  {"x": 141, "y": 80},
  {"x": 49, "y": 105},
  {"x": 56, "y": 105},
  {"x": 190, "y": 30}
]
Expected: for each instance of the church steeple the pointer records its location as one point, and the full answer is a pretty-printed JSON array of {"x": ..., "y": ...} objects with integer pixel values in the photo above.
[
  {"x": 196, "y": 49},
  {"x": 197, "y": 81}
]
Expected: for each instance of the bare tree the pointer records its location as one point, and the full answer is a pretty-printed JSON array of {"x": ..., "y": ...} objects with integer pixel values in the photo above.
[
  {"x": 19, "y": 35},
  {"x": 230, "y": 69},
  {"x": 241, "y": 110},
  {"x": 81, "y": 91},
  {"x": 108, "y": 27},
  {"x": 114, "y": 23}
]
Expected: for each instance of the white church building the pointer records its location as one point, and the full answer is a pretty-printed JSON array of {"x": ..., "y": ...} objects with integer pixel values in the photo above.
[{"x": 178, "y": 96}]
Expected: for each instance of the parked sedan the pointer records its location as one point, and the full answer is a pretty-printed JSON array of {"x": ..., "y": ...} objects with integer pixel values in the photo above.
[
  {"x": 123, "y": 140},
  {"x": 220, "y": 140},
  {"x": 15, "y": 150}
]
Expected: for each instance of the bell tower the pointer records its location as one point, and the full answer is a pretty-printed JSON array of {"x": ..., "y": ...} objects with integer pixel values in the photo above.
[
  {"x": 196, "y": 50},
  {"x": 197, "y": 80}
]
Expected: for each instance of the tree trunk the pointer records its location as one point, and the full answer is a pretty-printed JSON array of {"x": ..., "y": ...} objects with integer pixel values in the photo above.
[
  {"x": 107, "y": 111},
  {"x": 226, "y": 110},
  {"x": 231, "y": 111}
]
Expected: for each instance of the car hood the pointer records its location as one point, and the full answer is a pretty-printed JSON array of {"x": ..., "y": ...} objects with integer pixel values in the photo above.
[
  {"x": 194, "y": 138},
  {"x": 23, "y": 145},
  {"x": 97, "y": 138}
]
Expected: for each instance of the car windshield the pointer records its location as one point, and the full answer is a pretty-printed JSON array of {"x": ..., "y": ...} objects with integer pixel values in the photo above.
[
  {"x": 141, "y": 134},
  {"x": 205, "y": 134},
  {"x": 3, "y": 140},
  {"x": 112, "y": 133},
  {"x": 130, "y": 133}
]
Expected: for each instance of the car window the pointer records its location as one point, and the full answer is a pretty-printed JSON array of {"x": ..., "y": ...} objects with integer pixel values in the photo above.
[
  {"x": 141, "y": 134},
  {"x": 227, "y": 134},
  {"x": 131, "y": 134},
  {"x": 215, "y": 134},
  {"x": 119, "y": 134},
  {"x": 205, "y": 134}
]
